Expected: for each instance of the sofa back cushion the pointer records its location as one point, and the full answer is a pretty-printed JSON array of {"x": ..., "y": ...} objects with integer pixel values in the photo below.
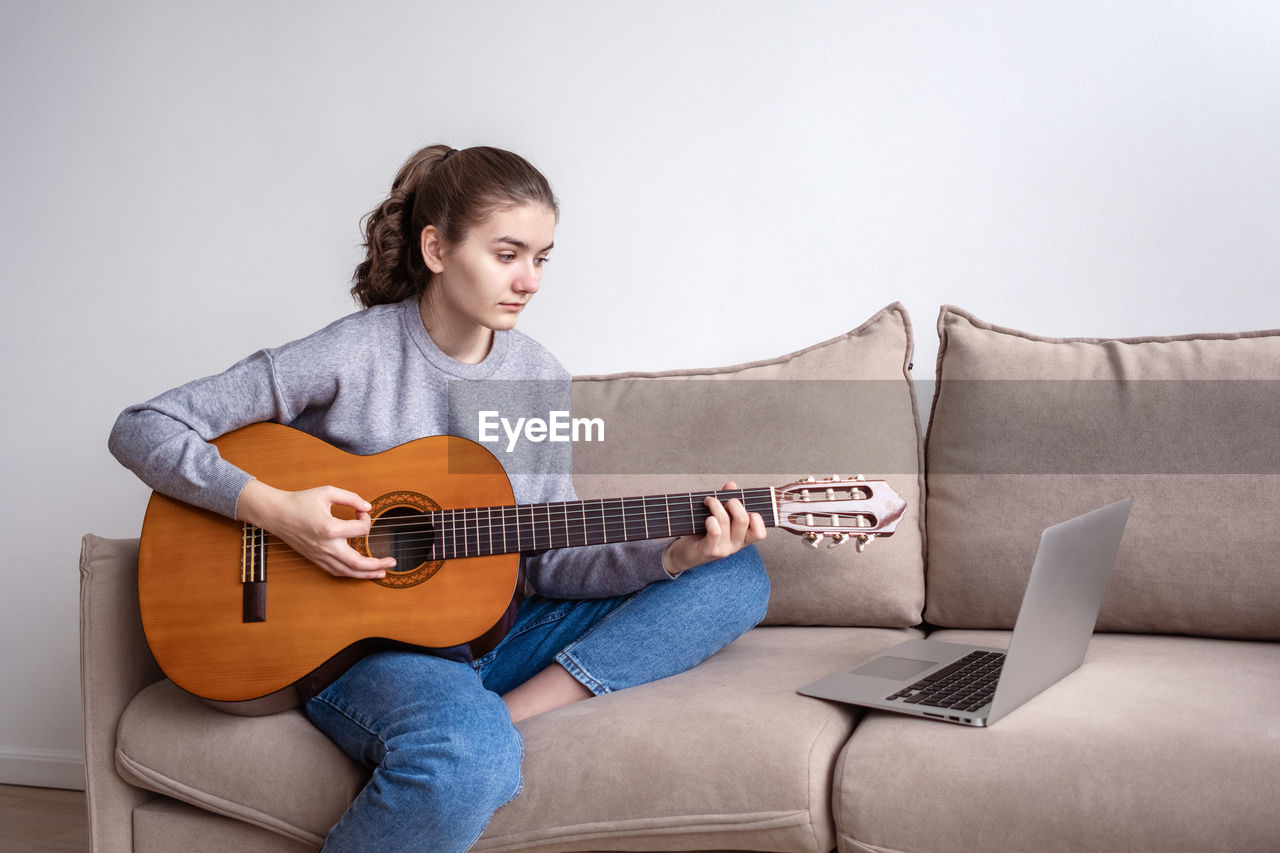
[
  {"x": 843, "y": 406},
  {"x": 1026, "y": 431}
]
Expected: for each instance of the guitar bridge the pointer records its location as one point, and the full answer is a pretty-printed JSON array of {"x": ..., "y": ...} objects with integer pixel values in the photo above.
[{"x": 253, "y": 573}]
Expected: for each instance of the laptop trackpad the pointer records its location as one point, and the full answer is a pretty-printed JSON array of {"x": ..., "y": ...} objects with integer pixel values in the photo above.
[{"x": 891, "y": 667}]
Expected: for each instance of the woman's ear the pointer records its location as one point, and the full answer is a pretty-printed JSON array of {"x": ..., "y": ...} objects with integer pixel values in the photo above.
[{"x": 432, "y": 245}]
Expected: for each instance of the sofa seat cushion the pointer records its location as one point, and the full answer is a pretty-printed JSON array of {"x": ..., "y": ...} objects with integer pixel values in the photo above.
[
  {"x": 263, "y": 770},
  {"x": 726, "y": 755},
  {"x": 1155, "y": 743},
  {"x": 163, "y": 825}
]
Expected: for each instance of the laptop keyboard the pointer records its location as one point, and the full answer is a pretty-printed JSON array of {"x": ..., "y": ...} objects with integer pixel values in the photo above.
[{"x": 965, "y": 685}]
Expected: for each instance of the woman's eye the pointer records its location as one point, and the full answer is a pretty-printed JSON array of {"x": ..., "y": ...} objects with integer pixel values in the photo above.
[
  {"x": 542, "y": 261},
  {"x": 506, "y": 257}
]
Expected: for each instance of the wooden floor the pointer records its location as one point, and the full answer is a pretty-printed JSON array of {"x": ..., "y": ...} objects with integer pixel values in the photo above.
[{"x": 42, "y": 820}]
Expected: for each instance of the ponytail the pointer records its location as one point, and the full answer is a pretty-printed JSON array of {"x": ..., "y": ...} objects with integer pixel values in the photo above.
[{"x": 450, "y": 189}]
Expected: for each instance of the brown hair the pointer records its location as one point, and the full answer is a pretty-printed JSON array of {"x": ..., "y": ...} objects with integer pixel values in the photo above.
[{"x": 450, "y": 189}]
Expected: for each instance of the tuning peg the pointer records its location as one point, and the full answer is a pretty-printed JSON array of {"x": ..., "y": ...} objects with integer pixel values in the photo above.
[
  {"x": 838, "y": 539},
  {"x": 814, "y": 539},
  {"x": 864, "y": 539}
]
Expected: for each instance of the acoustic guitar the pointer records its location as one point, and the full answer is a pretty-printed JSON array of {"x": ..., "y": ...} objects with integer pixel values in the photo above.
[{"x": 239, "y": 619}]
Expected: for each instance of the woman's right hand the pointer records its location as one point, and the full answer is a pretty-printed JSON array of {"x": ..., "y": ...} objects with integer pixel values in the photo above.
[{"x": 306, "y": 523}]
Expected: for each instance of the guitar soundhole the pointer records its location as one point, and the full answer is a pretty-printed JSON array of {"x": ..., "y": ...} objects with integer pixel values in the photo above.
[
  {"x": 401, "y": 529},
  {"x": 402, "y": 533}
]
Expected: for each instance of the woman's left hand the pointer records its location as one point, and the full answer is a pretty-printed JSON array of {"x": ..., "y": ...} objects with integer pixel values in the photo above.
[{"x": 728, "y": 529}]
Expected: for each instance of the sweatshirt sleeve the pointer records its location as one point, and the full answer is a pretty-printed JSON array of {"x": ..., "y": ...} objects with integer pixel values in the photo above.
[
  {"x": 591, "y": 571},
  {"x": 597, "y": 571},
  {"x": 165, "y": 441}
]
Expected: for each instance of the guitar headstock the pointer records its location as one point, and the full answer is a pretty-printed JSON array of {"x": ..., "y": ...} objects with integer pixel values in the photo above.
[{"x": 839, "y": 509}]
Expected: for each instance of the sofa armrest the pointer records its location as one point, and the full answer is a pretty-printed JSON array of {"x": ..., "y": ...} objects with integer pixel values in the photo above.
[{"x": 115, "y": 664}]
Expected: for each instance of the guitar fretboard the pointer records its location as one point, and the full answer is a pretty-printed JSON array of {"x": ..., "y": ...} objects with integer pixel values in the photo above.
[{"x": 481, "y": 531}]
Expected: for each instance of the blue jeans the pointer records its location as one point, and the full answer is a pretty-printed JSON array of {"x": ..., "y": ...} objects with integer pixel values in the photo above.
[{"x": 444, "y": 752}]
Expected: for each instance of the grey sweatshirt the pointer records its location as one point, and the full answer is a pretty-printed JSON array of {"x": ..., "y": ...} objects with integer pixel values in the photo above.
[{"x": 367, "y": 383}]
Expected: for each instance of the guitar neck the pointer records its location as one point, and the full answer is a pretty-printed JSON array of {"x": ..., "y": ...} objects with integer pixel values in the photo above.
[{"x": 481, "y": 531}]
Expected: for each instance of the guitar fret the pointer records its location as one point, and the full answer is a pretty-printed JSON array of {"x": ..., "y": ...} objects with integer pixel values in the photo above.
[
  {"x": 456, "y": 522},
  {"x": 655, "y": 518},
  {"x": 460, "y": 533},
  {"x": 462, "y": 529},
  {"x": 629, "y": 519},
  {"x": 442, "y": 533},
  {"x": 562, "y": 526},
  {"x": 452, "y": 549},
  {"x": 470, "y": 530},
  {"x": 450, "y": 544},
  {"x": 593, "y": 523},
  {"x": 520, "y": 530},
  {"x": 445, "y": 532},
  {"x": 469, "y": 519},
  {"x": 612, "y": 526},
  {"x": 441, "y": 545},
  {"x": 471, "y": 539},
  {"x": 436, "y": 544}
]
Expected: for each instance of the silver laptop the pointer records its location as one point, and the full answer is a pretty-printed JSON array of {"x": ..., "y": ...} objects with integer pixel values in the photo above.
[{"x": 976, "y": 685}]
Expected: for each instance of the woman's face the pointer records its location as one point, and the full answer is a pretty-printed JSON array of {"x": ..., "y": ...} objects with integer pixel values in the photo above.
[{"x": 486, "y": 280}]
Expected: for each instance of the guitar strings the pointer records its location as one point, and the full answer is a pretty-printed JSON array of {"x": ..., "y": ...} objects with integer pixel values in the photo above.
[
  {"x": 760, "y": 498},
  {"x": 478, "y": 519},
  {"x": 462, "y": 528},
  {"x": 560, "y": 512}
]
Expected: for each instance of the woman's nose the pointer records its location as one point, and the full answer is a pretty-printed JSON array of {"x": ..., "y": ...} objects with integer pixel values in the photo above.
[{"x": 529, "y": 279}]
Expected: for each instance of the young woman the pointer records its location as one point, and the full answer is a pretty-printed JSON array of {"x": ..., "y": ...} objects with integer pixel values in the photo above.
[{"x": 454, "y": 255}]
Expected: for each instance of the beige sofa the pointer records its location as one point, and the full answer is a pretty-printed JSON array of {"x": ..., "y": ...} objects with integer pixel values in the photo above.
[{"x": 1167, "y": 738}]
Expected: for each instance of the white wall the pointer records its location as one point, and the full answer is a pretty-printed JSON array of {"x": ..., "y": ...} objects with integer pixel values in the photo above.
[{"x": 182, "y": 184}]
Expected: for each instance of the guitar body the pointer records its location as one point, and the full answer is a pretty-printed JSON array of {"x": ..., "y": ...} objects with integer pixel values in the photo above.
[{"x": 192, "y": 590}]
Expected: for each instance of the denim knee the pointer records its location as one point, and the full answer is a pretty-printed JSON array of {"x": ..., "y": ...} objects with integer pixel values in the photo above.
[
  {"x": 744, "y": 584},
  {"x": 471, "y": 765}
]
